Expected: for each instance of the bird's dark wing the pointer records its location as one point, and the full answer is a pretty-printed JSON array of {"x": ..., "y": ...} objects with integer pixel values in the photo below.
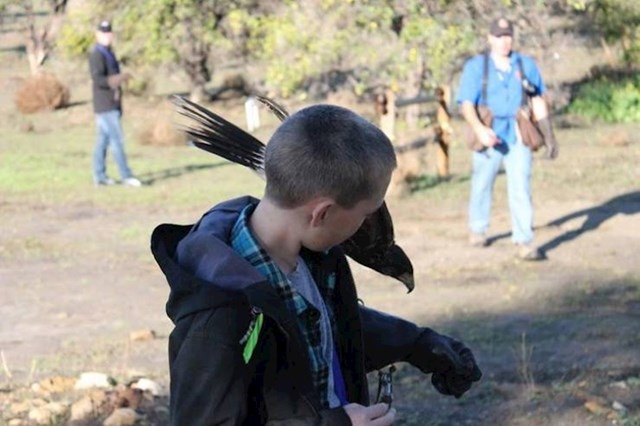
[
  {"x": 218, "y": 136},
  {"x": 277, "y": 109}
]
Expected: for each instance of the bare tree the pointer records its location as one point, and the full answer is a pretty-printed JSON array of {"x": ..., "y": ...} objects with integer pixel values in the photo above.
[{"x": 40, "y": 38}]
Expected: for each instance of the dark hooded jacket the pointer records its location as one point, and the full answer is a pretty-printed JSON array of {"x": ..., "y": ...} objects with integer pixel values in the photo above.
[{"x": 214, "y": 295}]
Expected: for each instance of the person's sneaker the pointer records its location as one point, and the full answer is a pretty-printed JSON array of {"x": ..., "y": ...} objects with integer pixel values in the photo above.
[
  {"x": 132, "y": 181},
  {"x": 478, "y": 240},
  {"x": 105, "y": 182},
  {"x": 529, "y": 252}
]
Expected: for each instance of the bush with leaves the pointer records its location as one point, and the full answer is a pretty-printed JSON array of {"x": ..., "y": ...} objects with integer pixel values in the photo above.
[{"x": 614, "y": 101}]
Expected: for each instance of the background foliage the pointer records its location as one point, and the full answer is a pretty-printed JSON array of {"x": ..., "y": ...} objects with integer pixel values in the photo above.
[
  {"x": 614, "y": 101},
  {"x": 311, "y": 48}
]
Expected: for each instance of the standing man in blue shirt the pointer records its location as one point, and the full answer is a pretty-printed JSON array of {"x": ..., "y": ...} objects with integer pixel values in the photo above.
[
  {"x": 107, "y": 81},
  {"x": 495, "y": 79}
]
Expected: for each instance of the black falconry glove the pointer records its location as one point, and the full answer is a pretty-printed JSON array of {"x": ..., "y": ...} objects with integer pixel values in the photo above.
[
  {"x": 453, "y": 366},
  {"x": 550, "y": 143}
]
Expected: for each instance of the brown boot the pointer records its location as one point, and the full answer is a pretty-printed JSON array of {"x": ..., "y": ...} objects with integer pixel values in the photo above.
[
  {"x": 529, "y": 252},
  {"x": 478, "y": 240}
]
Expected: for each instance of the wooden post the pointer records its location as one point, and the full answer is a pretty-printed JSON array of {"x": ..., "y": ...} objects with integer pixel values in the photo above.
[
  {"x": 443, "y": 130},
  {"x": 386, "y": 110}
]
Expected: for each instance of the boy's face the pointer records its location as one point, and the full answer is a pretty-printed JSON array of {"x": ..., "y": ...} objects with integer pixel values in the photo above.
[{"x": 338, "y": 223}]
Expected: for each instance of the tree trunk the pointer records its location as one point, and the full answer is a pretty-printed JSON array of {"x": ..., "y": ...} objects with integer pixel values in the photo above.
[
  {"x": 387, "y": 114},
  {"x": 194, "y": 58},
  {"x": 443, "y": 130},
  {"x": 40, "y": 42},
  {"x": 416, "y": 79},
  {"x": 197, "y": 93},
  {"x": 608, "y": 54}
]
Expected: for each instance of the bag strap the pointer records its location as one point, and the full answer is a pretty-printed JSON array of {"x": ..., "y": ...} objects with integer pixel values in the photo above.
[
  {"x": 112, "y": 63},
  {"x": 485, "y": 77},
  {"x": 523, "y": 77}
]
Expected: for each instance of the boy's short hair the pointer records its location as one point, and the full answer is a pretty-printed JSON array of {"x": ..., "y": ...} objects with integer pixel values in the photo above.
[{"x": 327, "y": 150}]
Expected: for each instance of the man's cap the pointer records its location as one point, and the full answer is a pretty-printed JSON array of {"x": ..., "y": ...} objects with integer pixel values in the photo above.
[
  {"x": 104, "y": 27},
  {"x": 501, "y": 27}
]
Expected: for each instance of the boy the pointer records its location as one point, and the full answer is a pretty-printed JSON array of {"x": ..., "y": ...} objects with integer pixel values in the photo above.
[{"x": 268, "y": 328}]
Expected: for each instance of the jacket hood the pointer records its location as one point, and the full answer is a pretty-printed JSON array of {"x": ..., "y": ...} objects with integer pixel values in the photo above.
[{"x": 201, "y": 268}]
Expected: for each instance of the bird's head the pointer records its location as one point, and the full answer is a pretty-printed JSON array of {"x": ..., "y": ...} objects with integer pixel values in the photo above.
[{"x": 395, "y": 263}]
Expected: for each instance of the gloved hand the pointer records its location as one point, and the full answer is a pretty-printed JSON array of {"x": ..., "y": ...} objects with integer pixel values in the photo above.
[
  {"x": 550, "y": 143},
  {"x": 453, "y": 365}
]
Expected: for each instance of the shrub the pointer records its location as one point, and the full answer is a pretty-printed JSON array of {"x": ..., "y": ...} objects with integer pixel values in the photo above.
[
  {"x": 610, "y": 100},
  {"x": 160, "y": 129},
  {"x": 41, "y": 92},
  {"x": 161, "y": 133}
]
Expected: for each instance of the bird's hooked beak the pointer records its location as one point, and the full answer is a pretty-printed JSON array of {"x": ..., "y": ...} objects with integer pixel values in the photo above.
[{"x": 407, "y": 280}]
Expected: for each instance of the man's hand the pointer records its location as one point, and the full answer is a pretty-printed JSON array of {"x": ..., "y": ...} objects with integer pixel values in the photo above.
[
  {"x": 116, "y": 80},
  {"x": 375, "y": 415},
  {"x": 453, "y": 365},
  {"x": 486, "y": 136}
]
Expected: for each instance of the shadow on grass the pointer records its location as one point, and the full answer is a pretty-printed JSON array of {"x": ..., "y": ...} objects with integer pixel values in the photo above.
[
  {"x": 627, "y": 204},
  {"x": 174, "y": 172},
  {"x": 425, "y": 182},
  {"x": 13, "y": 49},
  {"x": 76, "y": 104}
]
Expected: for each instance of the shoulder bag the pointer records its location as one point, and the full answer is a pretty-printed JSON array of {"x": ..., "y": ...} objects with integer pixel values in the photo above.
[
  {"x": 531, "y": 135},
  {"x": 484, "y": 113}
]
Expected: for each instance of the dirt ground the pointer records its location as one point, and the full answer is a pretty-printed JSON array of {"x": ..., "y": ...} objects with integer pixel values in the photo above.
[
  {"x": 549, "y": 336},
  {"x": 558, "y": 341}
]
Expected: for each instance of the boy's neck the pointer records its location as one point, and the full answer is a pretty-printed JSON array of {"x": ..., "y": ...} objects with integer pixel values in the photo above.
[{"x": 274, "y": 228}]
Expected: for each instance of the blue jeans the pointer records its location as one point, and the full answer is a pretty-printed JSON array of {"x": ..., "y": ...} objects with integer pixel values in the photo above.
[
  {"x": 517, "y": 163},
  {"x": 109, "y": 132}
]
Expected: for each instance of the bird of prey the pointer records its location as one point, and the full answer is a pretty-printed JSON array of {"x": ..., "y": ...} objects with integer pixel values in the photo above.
[{"x": 372, "y": 245}]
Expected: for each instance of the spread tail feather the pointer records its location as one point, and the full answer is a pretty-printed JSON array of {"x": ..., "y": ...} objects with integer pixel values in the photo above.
[
  {"x": 277, "y": 109},
  {"x": 214, "y": 134}
]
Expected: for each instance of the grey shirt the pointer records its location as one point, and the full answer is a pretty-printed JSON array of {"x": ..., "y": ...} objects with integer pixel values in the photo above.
[{"x": 304, "y": 284}]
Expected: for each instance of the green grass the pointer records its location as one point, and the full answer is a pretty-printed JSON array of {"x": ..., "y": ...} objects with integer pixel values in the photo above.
[{"x": 55, "y": 167}]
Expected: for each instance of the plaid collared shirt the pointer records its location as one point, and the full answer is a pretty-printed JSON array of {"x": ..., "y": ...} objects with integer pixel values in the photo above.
[{"x": 245, "y": 244}]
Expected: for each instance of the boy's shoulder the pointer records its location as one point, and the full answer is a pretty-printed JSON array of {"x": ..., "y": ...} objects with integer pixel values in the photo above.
[{"x": 222, "y": 214}]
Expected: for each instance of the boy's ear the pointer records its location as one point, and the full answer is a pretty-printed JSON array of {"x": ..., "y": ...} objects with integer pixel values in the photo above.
[{"x": 320, "y": 211}]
